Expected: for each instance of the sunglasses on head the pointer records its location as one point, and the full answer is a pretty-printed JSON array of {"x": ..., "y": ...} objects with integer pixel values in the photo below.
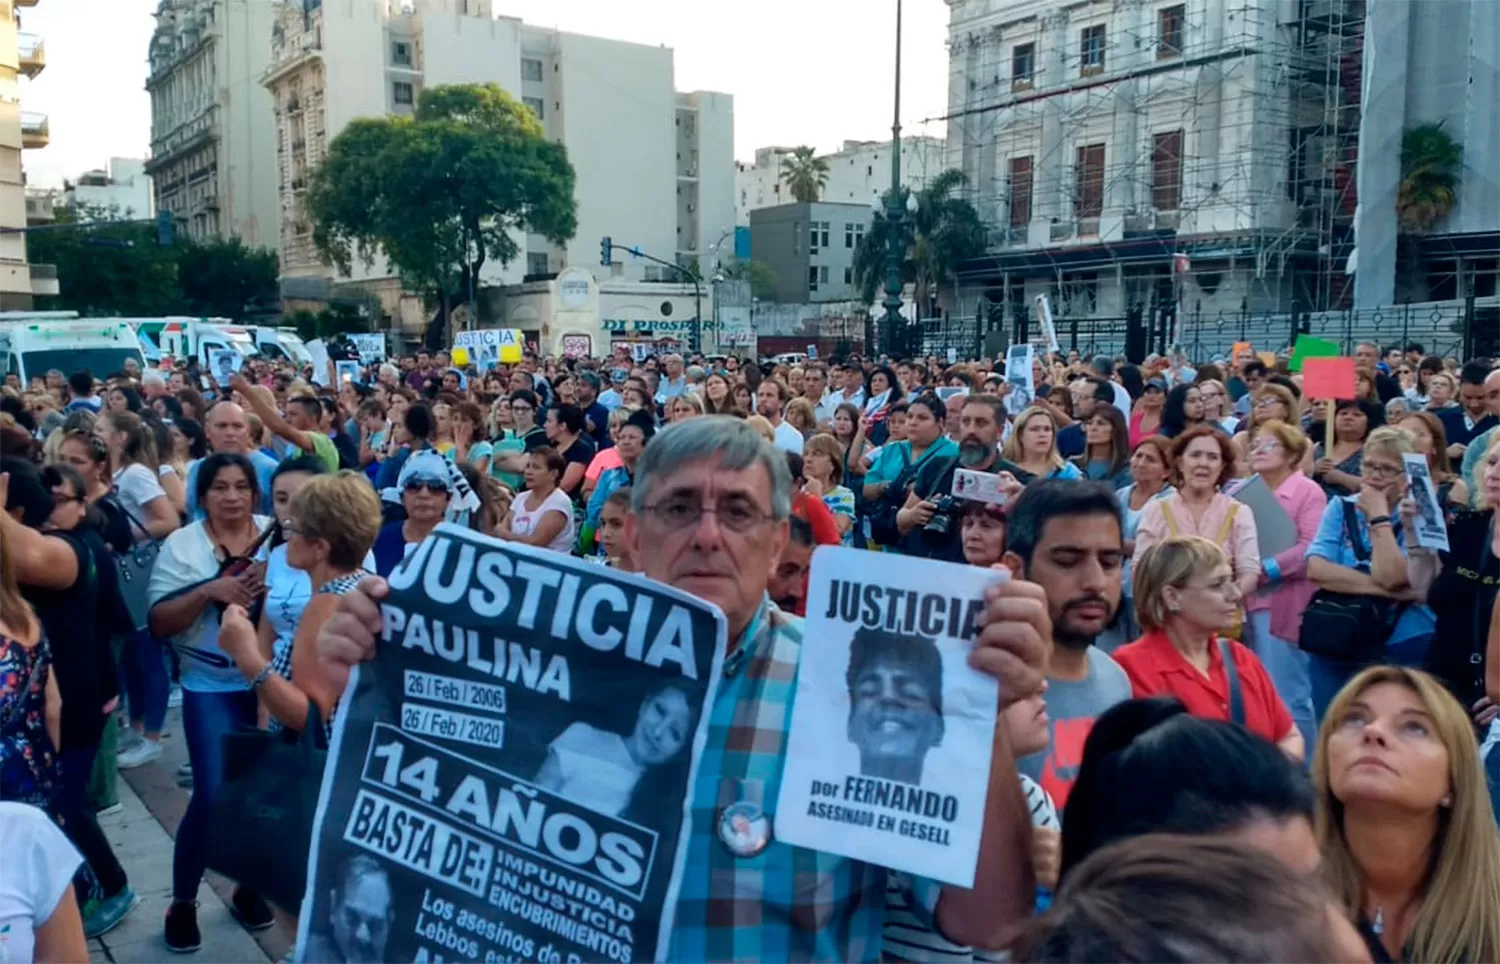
[{"x": 437, "y": 488}]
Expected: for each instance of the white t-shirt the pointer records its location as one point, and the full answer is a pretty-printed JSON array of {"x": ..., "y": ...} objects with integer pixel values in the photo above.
[
  {"x": 597, "y": 770},
  {"x": 788, "y": 439},
  {"x": 138, "y": 486},
  {"x": 524, "y": 521},
  {"x": 34, "y": 876},
  {"x": 1122, "y": 399}
]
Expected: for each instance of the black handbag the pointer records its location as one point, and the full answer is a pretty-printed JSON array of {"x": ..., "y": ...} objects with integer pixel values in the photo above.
[
  {"x": 263, "y": 815},
  {"x": 1346, "y": 627}
]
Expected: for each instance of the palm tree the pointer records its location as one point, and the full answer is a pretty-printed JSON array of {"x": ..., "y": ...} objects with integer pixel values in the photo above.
[
  {"x": 1430, "y": 164},
  {"x": 944, "y": 232},
  {"x": 804, "y": 173}
]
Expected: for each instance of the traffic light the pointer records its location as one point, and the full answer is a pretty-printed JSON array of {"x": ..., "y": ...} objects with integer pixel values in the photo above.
[
  {"x": 165, "y": 229},
  {"x": 606, "y": 251}
]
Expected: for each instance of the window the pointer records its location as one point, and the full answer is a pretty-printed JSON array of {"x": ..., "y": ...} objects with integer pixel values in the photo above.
[
  {"x": 1091, "y": 50},
  {"x": 1089, "y": 189},
  {"x": 1169, "y": 31},
  {"x": 817, "y": 235},
  {"x": 823, "y": 274},
  {"x": 1020, "y": 191},
  {"x": 812, "y": 277},
  {"x": 848, "y": 236},
  {"x": 859, "y": 235},
  {"x": 401, "y": 92},
  {"x": 536, "y": 262},
  {"x": 848, "y": 276},
  {"x": 812, "y": 237},
  {"x": 401, "y": 54},
  {"x": 1166, "y": 170},
  {"x": 1022, "y": 63},
  {"x": 536, "y": 106},
  {"x": 531, "y": 69}
]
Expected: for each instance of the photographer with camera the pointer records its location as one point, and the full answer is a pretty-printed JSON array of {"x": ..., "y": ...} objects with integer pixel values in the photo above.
[{"x": 929, "y": 521}]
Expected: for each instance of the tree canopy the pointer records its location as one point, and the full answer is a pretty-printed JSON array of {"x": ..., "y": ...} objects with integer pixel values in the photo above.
[
  {"x": 944, "y": 232},
  {"x": 804, "y": 173},
  {"x": 1430, "y": 164},
  {"x": 107, "y": 265},
  {"x": 443, "y": 192}
]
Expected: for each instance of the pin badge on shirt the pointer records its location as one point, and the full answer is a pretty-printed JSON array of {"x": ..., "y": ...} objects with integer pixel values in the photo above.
[{"x": 744, "y": 827}]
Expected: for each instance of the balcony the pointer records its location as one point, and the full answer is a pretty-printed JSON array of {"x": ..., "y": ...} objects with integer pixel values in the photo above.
[
  {"x": 34, "y": 130},
  {"x": 44, "y": 279},
  {"x": 32, "y": 53}
]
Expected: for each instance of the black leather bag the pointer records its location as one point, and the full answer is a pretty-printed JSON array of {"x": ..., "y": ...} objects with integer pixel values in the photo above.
[
  {"x": 263, "y": 815},
  {"x": 1345, "y": 627}
]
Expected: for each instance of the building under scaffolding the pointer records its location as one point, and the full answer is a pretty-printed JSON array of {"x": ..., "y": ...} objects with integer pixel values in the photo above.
[{"x": 1105, "y": 139}]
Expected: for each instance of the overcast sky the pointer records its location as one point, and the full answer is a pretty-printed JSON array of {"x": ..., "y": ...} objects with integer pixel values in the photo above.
[{"x": 801, "y": 71}]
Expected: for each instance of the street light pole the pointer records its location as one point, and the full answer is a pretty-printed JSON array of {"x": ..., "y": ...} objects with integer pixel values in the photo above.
[{"x": 894, "y": 214}]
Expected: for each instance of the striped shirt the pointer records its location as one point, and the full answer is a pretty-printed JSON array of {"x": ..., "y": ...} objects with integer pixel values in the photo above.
[{"x": 785, "y": 903}]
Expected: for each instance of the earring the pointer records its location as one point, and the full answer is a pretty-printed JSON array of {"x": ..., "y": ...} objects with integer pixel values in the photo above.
[{"x": 1447, "y": 800}]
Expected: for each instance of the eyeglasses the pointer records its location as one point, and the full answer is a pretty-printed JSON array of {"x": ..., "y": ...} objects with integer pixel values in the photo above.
[
  {"x": 436, "y": 488},
  {"x": 1268, "y": 402},
  {"x": 1378, "y": 470},
  {"x": 682, "y": 512},
  {"x": 521, "y": 408},
  {"x": 61, "y": 500}
]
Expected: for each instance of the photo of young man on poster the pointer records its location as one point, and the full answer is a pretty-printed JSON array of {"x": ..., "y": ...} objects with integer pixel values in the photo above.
[{"x": 895, "y": 702}]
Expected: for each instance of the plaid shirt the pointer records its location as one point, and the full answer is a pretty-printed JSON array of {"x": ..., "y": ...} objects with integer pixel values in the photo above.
[{"x": 786, "y": 903}]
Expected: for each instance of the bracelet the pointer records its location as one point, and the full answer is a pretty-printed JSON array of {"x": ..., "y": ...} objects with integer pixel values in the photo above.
[
  {"x": 263, "y": 675},
  {"x": 1379, "y": 520}
]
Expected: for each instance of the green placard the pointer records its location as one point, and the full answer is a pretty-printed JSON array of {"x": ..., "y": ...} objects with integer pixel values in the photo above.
[{"x": 1309, "y": 347}]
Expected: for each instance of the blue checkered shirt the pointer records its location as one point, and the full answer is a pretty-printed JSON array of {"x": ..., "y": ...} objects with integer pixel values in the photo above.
[{"x": 786, "y": 903}]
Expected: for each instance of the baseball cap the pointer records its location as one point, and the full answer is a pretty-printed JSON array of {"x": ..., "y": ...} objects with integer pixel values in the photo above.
[{"x": 1157, "y": 383}]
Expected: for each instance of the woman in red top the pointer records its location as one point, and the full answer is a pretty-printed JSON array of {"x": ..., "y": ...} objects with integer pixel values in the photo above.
[{"x": 1185, "y": 596}]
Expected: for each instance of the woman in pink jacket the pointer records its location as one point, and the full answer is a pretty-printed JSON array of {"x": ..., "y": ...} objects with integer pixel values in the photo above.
[{"x": 1276, "y": 451}]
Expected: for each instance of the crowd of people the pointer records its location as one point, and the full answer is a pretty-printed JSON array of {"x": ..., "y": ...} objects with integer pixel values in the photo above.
[{"x": 1205, "y": 751}]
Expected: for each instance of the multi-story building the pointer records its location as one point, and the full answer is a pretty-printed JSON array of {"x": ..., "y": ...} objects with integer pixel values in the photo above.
[
  {"x": 1101, "y": 139},
  {"x": 21, "y": 54},
  {"x": 857, "y": 173},
  {"x": 123, "y": 189},
  {"x": 810, "y": 249},
  {"x": 212, "y": 131},
  {"x": 653, "y": 167}
]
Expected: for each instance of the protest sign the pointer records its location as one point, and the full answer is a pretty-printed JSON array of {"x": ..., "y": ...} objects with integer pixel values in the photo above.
[
  {"x": 1044, "y": 317},
  {"x": 1430, "y": 524},
  {"x": 224, "y": 364},
  {"x": 952, "y": 355},
  {"x": 348, "y": 371},
  {"x": 1309, "y": 347},
  {"x": 371, "y": 346},
  {"x": 511, "y": 777},
  {"x": 888, "y": 755},
  {"x": 978, "y": 487},
  {"x": 947, "y": 394},
  {"x": 1018, "y": 377},
  {"x": 1327, "y": 379},
  {"x": 317, "y": 350}
]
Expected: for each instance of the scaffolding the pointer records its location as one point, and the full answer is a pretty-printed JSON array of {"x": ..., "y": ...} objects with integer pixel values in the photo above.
[{"x": 1230, "y": 133}]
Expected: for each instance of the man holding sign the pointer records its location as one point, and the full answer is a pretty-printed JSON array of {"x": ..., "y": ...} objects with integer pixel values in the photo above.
[{"x": 712, "y": 501}]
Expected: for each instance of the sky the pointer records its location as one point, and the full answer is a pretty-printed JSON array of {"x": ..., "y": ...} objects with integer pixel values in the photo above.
[{"x": 815, "y": 72}]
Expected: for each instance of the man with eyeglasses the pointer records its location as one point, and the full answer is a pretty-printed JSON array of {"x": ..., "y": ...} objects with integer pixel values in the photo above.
[{"x": 712, "y": 502}]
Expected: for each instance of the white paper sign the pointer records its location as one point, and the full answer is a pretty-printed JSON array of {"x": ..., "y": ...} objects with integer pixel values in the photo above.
[
  {"x": 348, "y": 371},
  {"x": 226, "y": 362},
  {"x": 1431, "y": 527},
  {"x": 952, "y": 356},
  {"x": 1044, "y": 316},
  {"x": 978, "y": 487},
  {"x": 947, "y": 394},
  {"x": 888, "y": 756},
  {"x": 318, "y": 352},
  {"x": 371, "y": 346},
  {"x": 1018, "y": 376}
]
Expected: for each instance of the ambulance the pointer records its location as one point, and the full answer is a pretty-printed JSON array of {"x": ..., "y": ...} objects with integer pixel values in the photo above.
[
  {"x": 31, "y": 348},
  {"x": 199, "y": 338},
  {"x": 281, "y": 344}
]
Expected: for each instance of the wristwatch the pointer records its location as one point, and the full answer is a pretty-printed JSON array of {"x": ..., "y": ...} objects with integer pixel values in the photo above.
[{"x": 262, "y": 676}]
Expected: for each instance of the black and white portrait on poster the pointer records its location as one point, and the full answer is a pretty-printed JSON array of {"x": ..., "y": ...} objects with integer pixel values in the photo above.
[
  {"x": 510, "y": 778},
  {"x": 1430, "y": 524},
  {"x": 888, "y": 757},
  {"x": 1018, "y": 376}
]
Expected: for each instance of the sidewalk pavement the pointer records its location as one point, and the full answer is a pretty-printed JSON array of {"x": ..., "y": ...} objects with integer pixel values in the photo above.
[{"x": 142, "y": 837}]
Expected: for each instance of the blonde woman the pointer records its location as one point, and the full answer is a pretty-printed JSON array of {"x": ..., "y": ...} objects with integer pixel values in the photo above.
[
  {"x": 685, "y": 406},
  {"x": 1033, "y": 447},
  {"x": 1186, "y": 599},
  {"x": 799, "y": 415},
  {"x": 1217, "y": 408},
  {"x": 1269, "y": 402},
  {"x": 1403, "y": 820}
]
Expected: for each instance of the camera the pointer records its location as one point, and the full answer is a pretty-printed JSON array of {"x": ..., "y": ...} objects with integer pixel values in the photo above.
[{"x": 942, "y": 517}]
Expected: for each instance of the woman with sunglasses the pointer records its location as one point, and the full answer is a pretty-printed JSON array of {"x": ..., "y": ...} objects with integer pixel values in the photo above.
[{"x": 425, "y": 489}]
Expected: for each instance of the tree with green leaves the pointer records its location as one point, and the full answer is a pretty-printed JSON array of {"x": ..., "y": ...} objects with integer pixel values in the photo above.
[
  {"x": 222, "y": 278},
  {"x": 804, "y": 174},
  {"x": 443, "y": 192},
  {"x": 944, "y": 232},
  {"x": 1430, "y": 164},
  {"x": 760, "y": 275}
]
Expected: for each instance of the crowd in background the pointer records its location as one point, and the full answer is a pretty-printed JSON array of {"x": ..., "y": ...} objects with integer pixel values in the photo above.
[{"x": 1210, "y": 727}]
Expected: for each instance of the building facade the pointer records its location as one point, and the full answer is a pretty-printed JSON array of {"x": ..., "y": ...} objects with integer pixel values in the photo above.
[
  {"x": 857, "y": 173},
  {"x": 665, "y": 189},
  {"x": 1104, "y": 139},
  {"x": 123, "y": 189},
  {"x": 212, "y": 132},
  {"x": 21, "y": 55},
  {"x": 809, "y": 248}
]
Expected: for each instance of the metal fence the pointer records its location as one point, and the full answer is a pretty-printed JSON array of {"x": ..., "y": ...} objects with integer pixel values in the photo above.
[{"x": 1456, "y": 329}]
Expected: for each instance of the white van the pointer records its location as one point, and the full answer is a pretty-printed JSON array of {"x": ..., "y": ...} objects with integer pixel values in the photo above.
[
  {"x": 282, "y": 344},
  {"x": 196, "y": 337},
  {"x": 100, "y": 346}
]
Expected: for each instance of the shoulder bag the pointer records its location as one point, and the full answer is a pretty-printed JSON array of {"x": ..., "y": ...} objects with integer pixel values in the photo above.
[
  {"x": 135, "y": 565},
  {"x": 1232, "y": 678},
  {"x": 1347, "y": 627}
]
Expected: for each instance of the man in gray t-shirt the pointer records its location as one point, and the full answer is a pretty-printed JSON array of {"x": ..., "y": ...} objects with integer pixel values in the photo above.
[{"x": 1065, "y": 536}]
